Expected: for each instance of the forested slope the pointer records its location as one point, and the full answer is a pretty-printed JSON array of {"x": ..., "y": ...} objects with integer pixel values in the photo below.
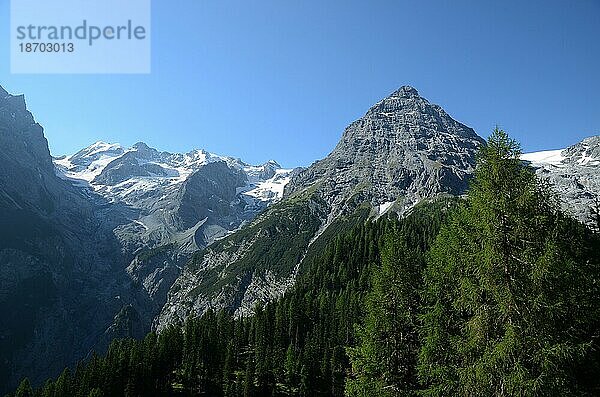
[{"x": 494, "y": 294}]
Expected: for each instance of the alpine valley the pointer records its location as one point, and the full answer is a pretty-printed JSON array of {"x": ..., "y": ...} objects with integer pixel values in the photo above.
[{"x": 118, "y": 242}]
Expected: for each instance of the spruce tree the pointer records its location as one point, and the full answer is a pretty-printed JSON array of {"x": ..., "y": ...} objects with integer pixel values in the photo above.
[{"x": 384, "y": 361}]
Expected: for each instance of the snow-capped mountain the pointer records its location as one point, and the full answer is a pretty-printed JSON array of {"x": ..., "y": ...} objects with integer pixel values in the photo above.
[
  {"x": 169, "y": 205},
  {"x": 573, "y": 174},
  {"x": 125, "y": 174},
  {"x": 171, "y": 196},
  {"x": 94, "y": 244}
]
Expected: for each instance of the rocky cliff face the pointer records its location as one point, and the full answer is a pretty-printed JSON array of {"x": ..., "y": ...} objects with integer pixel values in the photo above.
[
  {"x": 174, "y": 204},
  {"x": 91, "y": 243},
  {"x": 574, "y": 174},
  {"x": 57, "y": 259},
  {"x": 24, "y": 158},
  {"x": 402, "y": 151}
]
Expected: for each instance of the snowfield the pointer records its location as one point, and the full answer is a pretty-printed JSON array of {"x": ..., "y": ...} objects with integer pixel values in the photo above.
[{"x": 84, "y": 167}]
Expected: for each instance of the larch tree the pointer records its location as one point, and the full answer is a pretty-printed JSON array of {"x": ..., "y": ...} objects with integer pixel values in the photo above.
[{"x": 510, "y": 287}]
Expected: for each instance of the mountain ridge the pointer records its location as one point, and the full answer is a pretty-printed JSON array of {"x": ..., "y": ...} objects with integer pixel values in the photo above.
[
  {"x": 85, "y": 250},
  {"x": 123, "y": 239},
  {"x": 153, "y": 181},
  {"x": 402, "y": 151}
]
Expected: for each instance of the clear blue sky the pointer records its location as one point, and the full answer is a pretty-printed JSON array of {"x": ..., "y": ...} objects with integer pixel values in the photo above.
[{"x": 281, "y": 79}]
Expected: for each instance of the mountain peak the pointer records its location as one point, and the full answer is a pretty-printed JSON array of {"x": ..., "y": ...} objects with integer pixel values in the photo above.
[
  {"x": 100, "y": 144},
  {"x": 407, "y": 115},
  {"x": 403, "y": 147},
  {"x": 141, "y": 146},
  {"x": 3, "y": 92},
  {"x": 405, "y": 91},
  {"x": 592, "y": 140},
  {"x": 405, "y": 98},
  {"x": 272, "y": 163}
]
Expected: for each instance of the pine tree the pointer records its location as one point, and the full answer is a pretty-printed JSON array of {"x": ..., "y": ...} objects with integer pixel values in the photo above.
[
  {"x": 96, "y": 392},
  {"x": 291, "y": 365},
  {"x": 507, "y": 285},
  {"x": 339, "y": 363},
  {"x": 249, "y": 387},
  {"x": 228, "y": 371},
  {"x": 24, "y": 389},
  {"x": 384, "y": 361},
  {"x": 64, "y": 386}
]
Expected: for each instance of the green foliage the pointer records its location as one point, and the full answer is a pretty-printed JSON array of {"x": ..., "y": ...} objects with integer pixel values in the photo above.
[
  {"x": 495, "y": 295},
  {"x": 294, "y": 346},
  {"x": 24, "y": 389},
  {"x": 279, "y": 239},
  {"x": 385, "y": 356},
  {"x": 384, "y": 359},
  {"x": 510, "y": 289},
  {"x": 96, "y": 392}
]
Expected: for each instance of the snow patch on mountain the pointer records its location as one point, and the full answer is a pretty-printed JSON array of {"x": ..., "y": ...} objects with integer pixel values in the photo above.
[
  {"x": 384, "y": 207},
  {"x": 270, "y": 188},
  {"x": 585, "y": 153},
  {"x": 553, "y": 157},
  {"x": 154, "y": 171},
  {"x": 574, "y": 174}
]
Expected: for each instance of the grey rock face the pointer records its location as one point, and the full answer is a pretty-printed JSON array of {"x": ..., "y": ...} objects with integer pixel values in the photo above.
[
  {"x": 257, "y": 263},
  {"x": 57, "y": 259},
  {"x": 24, "y": 157},
  {"x": 129, "y": 166},
  {"x": 402, "y": 151},
  {"x": 155, "y": 271},
  {"x": 211, "y": 193},
  {"x": 574, "y": 174},
  {"x": 91, "y": 243},
  {"x": 181, "y": 201}
]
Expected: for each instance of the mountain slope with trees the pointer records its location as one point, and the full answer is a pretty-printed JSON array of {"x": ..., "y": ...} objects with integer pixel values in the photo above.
[{"x": 494, "y": 294}]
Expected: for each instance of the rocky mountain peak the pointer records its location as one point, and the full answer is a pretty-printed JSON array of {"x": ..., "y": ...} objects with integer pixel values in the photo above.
[
  {"x": 405, "y": 91},
  {"x": 592, "y": 140},
  {"x": 272, "y": 163},
  {"x": 15, "y": 103},
  {"x": 402, "y": 151},
  {"x": 142, "y": 147},
  {"x": 95, "y": 151},
  {"x": 403, "y": 147},
  {"x": 24, "y": 153},
  {"x": 586, "y": 152},
  {"x": 409, "y": 113}
]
